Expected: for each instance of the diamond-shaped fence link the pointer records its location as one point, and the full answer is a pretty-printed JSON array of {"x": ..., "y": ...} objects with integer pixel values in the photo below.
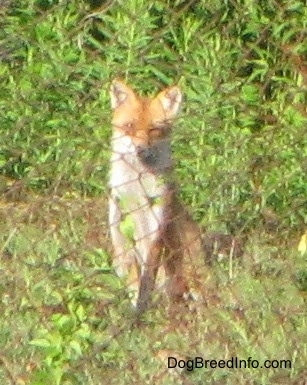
[{"x": 219, "y": 214}]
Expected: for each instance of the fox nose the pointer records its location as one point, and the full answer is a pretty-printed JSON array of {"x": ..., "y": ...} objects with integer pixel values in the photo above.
[{"x": 147, "y": 155}]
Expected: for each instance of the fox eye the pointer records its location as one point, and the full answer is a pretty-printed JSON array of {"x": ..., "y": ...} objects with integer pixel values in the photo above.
[
  {"x": 159, "y": 129},
  {"x": 161, "y": 125},
  {"x": 129, "y": 127},
  {"x": 157, "y": 132}
]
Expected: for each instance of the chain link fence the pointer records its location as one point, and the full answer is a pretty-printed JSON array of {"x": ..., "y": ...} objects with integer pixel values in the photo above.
[{"x": 239, "y": 149}]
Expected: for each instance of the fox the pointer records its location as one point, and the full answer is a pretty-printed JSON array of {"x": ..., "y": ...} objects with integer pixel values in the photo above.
[{"x": 151, "y": 231}]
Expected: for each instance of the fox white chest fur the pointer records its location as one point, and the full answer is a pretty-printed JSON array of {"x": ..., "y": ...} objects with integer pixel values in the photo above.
[
  {"x": 137, "y": 193},
  {"x": 135, "y": 170}
]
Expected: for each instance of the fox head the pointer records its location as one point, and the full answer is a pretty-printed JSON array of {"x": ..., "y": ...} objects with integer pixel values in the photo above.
[{"x": 145, "y": 120}]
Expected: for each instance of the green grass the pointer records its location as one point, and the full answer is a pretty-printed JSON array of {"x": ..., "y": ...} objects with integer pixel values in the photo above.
[
  {"x": 240, "y": 149},
  {"x": 66, "y": 319}
]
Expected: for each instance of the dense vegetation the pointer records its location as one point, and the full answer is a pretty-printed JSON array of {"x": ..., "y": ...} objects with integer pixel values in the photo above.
[{"x": 241, "y": 162}]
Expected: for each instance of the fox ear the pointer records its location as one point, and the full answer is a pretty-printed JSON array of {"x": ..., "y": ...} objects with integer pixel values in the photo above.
[
  {"x": 170, "y": 100},
  {"x": 119, "y": 93}
]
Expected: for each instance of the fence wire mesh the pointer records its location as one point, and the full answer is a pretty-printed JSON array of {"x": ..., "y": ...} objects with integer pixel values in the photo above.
[{"x": 239, "y": 148}]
